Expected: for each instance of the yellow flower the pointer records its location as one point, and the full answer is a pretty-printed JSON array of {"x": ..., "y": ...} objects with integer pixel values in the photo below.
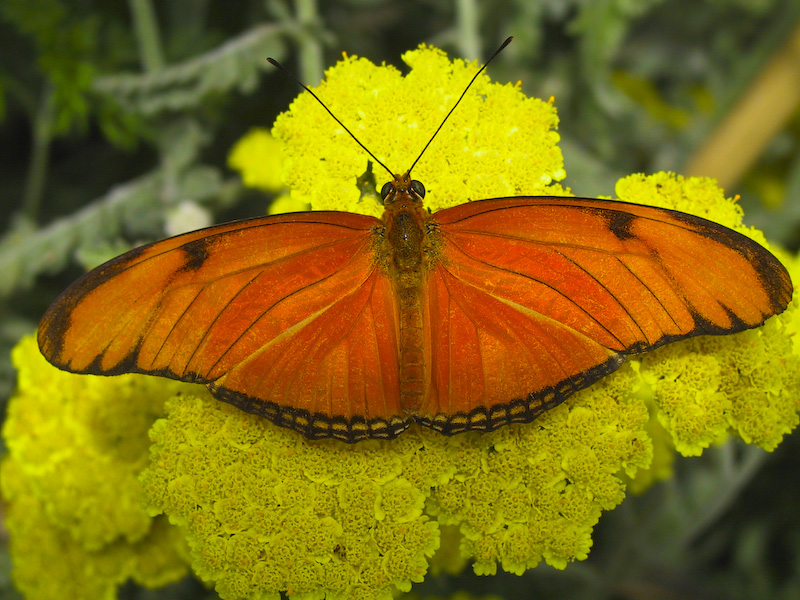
[
  {"x": 327, "y": 516},
  {"x": 709, "y": 386},
  {"x": 257, "y": 156},
  {"x": 76, "y": 445},
  {"x": 497, "y": 143}
]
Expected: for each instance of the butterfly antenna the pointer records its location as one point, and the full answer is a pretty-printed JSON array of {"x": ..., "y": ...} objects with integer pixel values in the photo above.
[
  {"x": 491, "y": 58},
  {"x": 275, "y": 63}
]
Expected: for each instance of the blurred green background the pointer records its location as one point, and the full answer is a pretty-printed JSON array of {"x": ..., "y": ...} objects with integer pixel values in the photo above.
[{"x": 113, "y": 114}]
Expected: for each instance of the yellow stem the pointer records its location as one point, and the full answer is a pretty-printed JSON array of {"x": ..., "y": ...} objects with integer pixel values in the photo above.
[{"x": 763, "y": 110}]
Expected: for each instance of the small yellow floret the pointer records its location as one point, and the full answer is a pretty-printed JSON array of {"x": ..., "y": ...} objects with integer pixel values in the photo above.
[
  {"x": 258, "y": 157},
  {"x": 518, "y": 495}
]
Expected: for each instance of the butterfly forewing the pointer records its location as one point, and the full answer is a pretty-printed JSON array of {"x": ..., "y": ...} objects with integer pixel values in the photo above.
[
  {"x": 531, "y": 299},
  {"x": 285, "y": 316}
]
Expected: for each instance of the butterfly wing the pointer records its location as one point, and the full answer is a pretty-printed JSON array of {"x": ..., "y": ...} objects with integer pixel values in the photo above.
[
  {"x": 533, "y": 299},
  {"x": 289, "y": 317}
]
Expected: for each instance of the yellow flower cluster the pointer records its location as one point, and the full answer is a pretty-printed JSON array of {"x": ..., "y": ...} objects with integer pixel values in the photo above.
[
  {"x": 266, "y": 511},
  {"x": 709, "y": 386},
  {"x": 482, "y": 152},
  {"x": 76, "y": 445}
]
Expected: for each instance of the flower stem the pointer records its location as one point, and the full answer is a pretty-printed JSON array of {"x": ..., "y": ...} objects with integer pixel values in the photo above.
[
  {"x": 40, "y": 156},
  {"x": 310, "y": 47},
  {"x": 739, "y": 473},
  {"x": 147, "y": 36},
  {"x": 469, "y": 37},
  {"x": 763, "y": 111}
]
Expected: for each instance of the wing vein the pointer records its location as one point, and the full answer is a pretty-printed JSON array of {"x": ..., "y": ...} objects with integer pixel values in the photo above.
[
  {"x": 221, "y": 310},
  {"x": 511, "y": 334},
  {"x": 296, "y": 372},
  {"x": 547, "y": 285},
  {"x": 655, "y": 296},
  {"x": 264, "y": 313},
  {"x": 174, "y": 325}
]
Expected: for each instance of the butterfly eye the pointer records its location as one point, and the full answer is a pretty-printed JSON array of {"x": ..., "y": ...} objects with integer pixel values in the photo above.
[
  {"x": 386, "y": 189},
  {"x": 418, "y": 188}
]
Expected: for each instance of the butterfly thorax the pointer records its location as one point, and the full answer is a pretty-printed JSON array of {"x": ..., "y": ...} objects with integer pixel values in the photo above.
[
  {"x": 405, "y": 233},
  {"x": 404, "y": 223}
]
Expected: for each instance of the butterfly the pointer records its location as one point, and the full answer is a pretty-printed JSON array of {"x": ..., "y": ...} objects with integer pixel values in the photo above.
[{"x": 351, "y": 327}]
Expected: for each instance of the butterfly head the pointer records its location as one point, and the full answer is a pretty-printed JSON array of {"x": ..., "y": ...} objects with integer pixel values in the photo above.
[{"x": 402, "y": 187}]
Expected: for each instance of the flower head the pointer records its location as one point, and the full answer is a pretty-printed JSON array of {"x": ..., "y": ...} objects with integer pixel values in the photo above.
[
  {"x": 482, "y": 152},
  {"x": 76, "y": 445},
  {"x": 257, "y": 156}
]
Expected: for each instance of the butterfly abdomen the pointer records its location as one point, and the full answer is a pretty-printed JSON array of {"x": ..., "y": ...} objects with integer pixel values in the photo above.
[{"x": 406, "y": 237}]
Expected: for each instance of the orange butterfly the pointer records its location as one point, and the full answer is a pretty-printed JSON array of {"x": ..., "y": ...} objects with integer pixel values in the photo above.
[{"x": 347, "y": 326}]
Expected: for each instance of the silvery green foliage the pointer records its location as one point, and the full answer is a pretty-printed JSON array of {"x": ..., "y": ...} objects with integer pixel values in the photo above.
[{"x": 234, "y": 66}]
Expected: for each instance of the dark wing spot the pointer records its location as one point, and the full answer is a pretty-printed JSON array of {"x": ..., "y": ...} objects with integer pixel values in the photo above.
[
  {"x": 619, "y": 223},
  {"x": 196, "y": 253}
]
